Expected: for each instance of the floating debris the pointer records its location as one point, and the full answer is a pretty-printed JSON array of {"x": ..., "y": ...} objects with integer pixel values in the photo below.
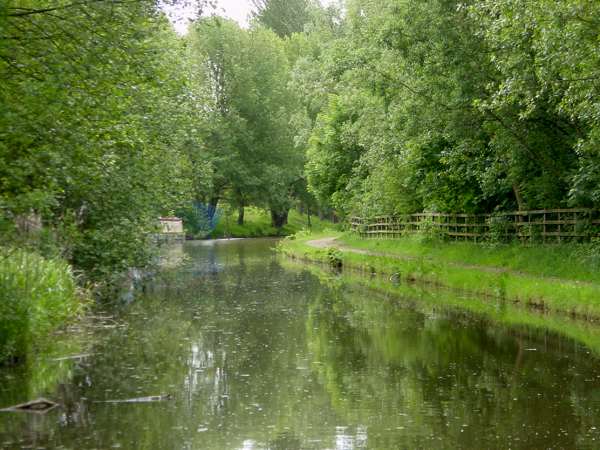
[
  {"x": 39, "y": 406},
  {"x": 152, "y": 398}
]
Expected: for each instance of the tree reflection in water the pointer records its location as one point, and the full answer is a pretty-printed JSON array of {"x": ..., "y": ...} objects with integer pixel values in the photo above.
[{"x": 261, "y": 356}]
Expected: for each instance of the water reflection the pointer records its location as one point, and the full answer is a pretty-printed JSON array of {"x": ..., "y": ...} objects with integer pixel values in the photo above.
[
  {"x": 439, "y": 377},
  {"x": 259, "y": 356}
]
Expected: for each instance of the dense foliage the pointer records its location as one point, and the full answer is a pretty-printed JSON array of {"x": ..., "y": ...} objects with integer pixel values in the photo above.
[
  {"x": 455, "y": 106},
  {"x": 284, "y": 17},
  {"x": 109, "y": 119},
  {"x": 93, "y": 117}
]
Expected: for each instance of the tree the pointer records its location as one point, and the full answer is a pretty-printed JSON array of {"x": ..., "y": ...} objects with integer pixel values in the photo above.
[
  {"x": 250, "y": 145},
  {"x": 459, "y": 107},
  {"x": 546, "y": 55},
  {"x": 91, "y": 101},
  {"x": 284, "y": 17}
]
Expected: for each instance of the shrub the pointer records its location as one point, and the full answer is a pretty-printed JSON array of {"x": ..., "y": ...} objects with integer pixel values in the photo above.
[
  {"x": 37, "y": 295},
  {"x": 499, "y": 231},
  {"x": 429, "y": 232},
  {"x": 334, "y": 257}
]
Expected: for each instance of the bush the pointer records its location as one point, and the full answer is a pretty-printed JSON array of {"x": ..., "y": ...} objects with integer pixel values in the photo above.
[
  {"x": 37, "y": 295},
  {"x": 334, "y": 257},
  {"x": 429, "y": 232},
  {"x": 499, "y": 232}
]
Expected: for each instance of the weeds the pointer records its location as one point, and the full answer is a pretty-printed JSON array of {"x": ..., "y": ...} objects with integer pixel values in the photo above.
[
  {"x": 334, "y": 258},
  {"x": 37, "y": 295}
]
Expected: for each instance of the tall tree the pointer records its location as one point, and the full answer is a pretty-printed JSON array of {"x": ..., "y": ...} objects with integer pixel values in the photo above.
[
  {"x": 250, "y": 144},
  {"x": 284, "y": 17}
]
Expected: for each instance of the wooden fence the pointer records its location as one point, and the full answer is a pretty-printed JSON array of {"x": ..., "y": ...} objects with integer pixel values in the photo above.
[{"x": 549, "y": 225}]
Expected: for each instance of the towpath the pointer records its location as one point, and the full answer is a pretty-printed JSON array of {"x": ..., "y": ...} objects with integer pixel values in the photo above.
[{"x": 332, "y": 242}]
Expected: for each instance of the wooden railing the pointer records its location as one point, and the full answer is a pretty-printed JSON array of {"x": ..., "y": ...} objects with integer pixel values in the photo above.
[{"x": 548, "y": 225}]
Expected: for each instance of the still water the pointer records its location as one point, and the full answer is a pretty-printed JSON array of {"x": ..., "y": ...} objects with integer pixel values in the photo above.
[{"x": 254, "y": 353}]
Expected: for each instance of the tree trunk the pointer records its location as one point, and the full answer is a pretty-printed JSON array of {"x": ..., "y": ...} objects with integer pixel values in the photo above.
[
  {"x": 520, "y": 202},
  {"x": 240, "y": 220},
  {"x": 308, "y": 215},
  {"x": 279, "y": 219}
]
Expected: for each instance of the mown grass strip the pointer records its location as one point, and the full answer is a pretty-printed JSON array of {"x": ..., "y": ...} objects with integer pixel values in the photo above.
[
  {"x": 497, "y": 310},
  {"x": 568, "y": 260},
  {"x": 573, "y": 297}
]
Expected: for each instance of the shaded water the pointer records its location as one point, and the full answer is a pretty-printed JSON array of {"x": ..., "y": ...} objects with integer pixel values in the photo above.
[{"x": 257, "y": 355}]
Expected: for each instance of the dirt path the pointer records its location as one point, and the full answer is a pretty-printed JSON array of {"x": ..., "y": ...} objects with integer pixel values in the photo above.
[
  {"x": 332, "y": 242},
  {"x": 323, "y": 243}
]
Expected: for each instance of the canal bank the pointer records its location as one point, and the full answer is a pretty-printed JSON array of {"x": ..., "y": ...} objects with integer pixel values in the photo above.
[
  {"x": 246, "y": 349},
  {"x": 531, "y": 279},
  {"x": 497, "y": 311}
]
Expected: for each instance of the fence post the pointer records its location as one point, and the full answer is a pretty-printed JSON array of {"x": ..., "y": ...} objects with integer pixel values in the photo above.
[
  {"x": 544, "y": 232},
  {"x": 560, "y": 223}
]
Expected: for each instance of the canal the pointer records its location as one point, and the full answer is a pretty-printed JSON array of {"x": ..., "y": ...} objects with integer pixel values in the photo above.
[{"x": 238, "y": 348}]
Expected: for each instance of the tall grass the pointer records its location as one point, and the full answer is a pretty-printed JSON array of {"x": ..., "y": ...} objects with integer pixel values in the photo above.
[{"x": 37, "y": 295}]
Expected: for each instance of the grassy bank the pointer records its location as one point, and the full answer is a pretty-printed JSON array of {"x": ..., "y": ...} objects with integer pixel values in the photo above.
[
  {"x": 257, "y": 223},
  {"x": 579, "y": 262},
  {"x": 37, "y": 296},
  {"x": 550, "y": 278},
  {"x": 496, "y": 310}
]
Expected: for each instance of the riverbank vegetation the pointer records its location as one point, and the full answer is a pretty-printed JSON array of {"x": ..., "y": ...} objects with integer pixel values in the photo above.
[
  {"x": 565, "y": 261},
  {"x": 532, "y": 279},
  {"x": 110, "y": 119},
  {"x": 37, "y": 295},
  {"x": 94, "y": 118}
]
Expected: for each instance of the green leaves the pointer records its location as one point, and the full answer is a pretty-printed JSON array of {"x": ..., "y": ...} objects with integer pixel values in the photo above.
[
  {"x": 508, "y": 87},
  {"x": 284, "y": 17},
  {"x": 93, "y": 117},
  {"x": 250, "y": 145}
]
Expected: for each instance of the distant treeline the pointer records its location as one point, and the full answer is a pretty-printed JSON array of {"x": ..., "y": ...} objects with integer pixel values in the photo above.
[{"x": 109, "y": 119}]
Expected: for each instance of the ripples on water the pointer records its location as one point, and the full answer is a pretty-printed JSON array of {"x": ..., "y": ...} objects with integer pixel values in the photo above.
[{"x": 261, "y": 356}]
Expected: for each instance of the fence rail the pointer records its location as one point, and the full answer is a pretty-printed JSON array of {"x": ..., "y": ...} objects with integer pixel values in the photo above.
[{"x": 548, "y": 225}]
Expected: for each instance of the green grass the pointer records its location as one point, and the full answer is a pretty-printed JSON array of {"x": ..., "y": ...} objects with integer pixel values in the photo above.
[
  {"x": 453, "y": 265},
  {"x": 257, "y": 223},
  {"x": 37, "y": 296},
  {"x": 569, "y": 261},
  {"x": 496, "y": 310}
]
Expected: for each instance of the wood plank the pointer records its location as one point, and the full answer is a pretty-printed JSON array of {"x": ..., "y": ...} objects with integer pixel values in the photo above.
[{"x": 558, "y": 222}]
